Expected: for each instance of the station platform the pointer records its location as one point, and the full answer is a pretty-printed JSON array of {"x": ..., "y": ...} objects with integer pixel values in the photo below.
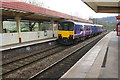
[
  {"x": 18, "y": 45},
  {"x": 101, "y": 61}
]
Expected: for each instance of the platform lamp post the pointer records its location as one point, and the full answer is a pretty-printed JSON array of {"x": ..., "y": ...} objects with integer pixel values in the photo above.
[
  {"x": 1, "y": 25},
  {"x": 18, "y": 28},
  {"x": 118, "y": 18},
  {"x": 39, "y": 28},
  {"x": 118, "y": 25}
]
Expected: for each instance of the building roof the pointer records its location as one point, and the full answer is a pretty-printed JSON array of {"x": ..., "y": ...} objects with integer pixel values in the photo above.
[
  {"x": 104, "y": 6},
  {"x": 12, "y": 8}
]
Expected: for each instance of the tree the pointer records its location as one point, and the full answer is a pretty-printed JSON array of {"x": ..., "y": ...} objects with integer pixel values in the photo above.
[
  {"x": 34, "y": 2},
  {"x": 108, "y": 25},
  {"x": 31, "y": 25}
]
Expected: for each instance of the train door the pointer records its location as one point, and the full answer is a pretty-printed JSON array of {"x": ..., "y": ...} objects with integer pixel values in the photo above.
[{"x": 118, "y": 29}]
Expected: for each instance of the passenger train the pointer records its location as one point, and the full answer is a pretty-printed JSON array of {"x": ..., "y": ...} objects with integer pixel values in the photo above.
[{"x": 70, "y": 32}]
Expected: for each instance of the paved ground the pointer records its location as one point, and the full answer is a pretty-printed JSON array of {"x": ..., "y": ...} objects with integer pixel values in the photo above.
[
  {"x": 111, "y": 68},
  {"x": 99, "y": 62}
]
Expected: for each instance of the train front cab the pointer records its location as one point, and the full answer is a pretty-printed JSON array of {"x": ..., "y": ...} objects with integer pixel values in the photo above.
[
  {"x": 118, "y": 29},
  {"x": 65, "y": 36},
  {"x": 65, "y": 32}
]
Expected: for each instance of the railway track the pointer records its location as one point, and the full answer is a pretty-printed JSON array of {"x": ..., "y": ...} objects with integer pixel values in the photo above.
[
  {"x": 57, "y": 69},
  {"x": 17, "y": 53},
  {"x": 39, "y": 68},
  {"x": 16, "y": 64},
  {"x": 28, "y": 55}
]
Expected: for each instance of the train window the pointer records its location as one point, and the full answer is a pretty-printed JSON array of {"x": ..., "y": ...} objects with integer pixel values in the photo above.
[
  {"x": 87, "y": 27},
  {"x": 78, "y": 28},
  {"x": 66, "y": 26},
  {"x": 81, "y": 28},
  {"x": 59, "y": 27}
]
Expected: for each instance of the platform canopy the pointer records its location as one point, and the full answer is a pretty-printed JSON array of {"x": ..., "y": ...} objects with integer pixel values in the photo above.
[
  {"x": 104, "y": 6},
  {"x": 12, "y": 8}
]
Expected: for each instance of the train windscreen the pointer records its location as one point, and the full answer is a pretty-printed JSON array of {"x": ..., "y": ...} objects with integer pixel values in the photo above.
[{"x": 66, "y": 26}]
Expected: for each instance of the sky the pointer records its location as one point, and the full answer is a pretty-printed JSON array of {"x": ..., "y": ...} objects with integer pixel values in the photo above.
[{"x": 72, "y": 7}]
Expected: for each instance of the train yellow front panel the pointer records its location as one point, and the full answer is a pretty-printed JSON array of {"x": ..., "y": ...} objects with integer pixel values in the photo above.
[{"x": 66, "y": 34}]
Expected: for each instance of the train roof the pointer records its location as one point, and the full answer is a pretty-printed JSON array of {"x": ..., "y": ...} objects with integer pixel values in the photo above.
[
  {"x": 98, "y": 25},
  {"x": 80, "y": 23}
]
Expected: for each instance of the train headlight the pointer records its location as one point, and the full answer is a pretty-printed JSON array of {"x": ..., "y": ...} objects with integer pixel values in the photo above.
[{"x": 59, "y": 36}]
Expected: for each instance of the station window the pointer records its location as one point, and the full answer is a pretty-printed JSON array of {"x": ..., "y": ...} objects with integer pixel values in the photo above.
[
  {"x": 46, "y": 26},
  {"x": 27, "y": 26},
  {"x": 55, "y": 26},
  {"x": 24, "y": 26},
  {"x": 35, "y": 28},
  {"x": 9, "y": 27}
]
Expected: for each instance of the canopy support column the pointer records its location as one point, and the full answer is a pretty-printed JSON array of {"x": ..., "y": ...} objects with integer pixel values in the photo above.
[
  {"x": 1, "y": 26},
  {"x": 18, "y": 28},
  {"x": 39, "y": 29},
  {"x": 39, "y": 26},
  {"x": 52, "y": 24}
]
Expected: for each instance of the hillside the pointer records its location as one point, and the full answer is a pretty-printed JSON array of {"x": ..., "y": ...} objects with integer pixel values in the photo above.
[
  {"x": 111, "y": 19},
  {"x": 108, "y": 22}
]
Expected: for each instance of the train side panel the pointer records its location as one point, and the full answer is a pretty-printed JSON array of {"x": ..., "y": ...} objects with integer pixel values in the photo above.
[
  {"x": 71, "y": 32},
  {"x": 78, "y": 31}
]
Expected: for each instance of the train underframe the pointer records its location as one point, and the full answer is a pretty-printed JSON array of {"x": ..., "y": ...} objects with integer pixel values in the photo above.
[{"x": 70, "y": 40}]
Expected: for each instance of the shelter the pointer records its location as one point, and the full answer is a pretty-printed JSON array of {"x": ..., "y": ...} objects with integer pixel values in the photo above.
[
  {"x": 104, "y": 6},
  {"x": 19, "y": 12}
]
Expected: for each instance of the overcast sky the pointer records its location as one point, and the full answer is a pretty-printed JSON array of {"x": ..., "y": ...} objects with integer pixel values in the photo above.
[{"x": 72, "y": 7}]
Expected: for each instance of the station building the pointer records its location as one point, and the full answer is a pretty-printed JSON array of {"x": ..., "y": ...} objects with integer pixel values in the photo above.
[{"x": 22, "y": 22}]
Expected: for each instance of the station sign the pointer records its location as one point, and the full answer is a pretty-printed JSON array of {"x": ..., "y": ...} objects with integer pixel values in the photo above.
[
  {"x": 118, "y": 17},
  {"x": 118, "y": 29}
]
